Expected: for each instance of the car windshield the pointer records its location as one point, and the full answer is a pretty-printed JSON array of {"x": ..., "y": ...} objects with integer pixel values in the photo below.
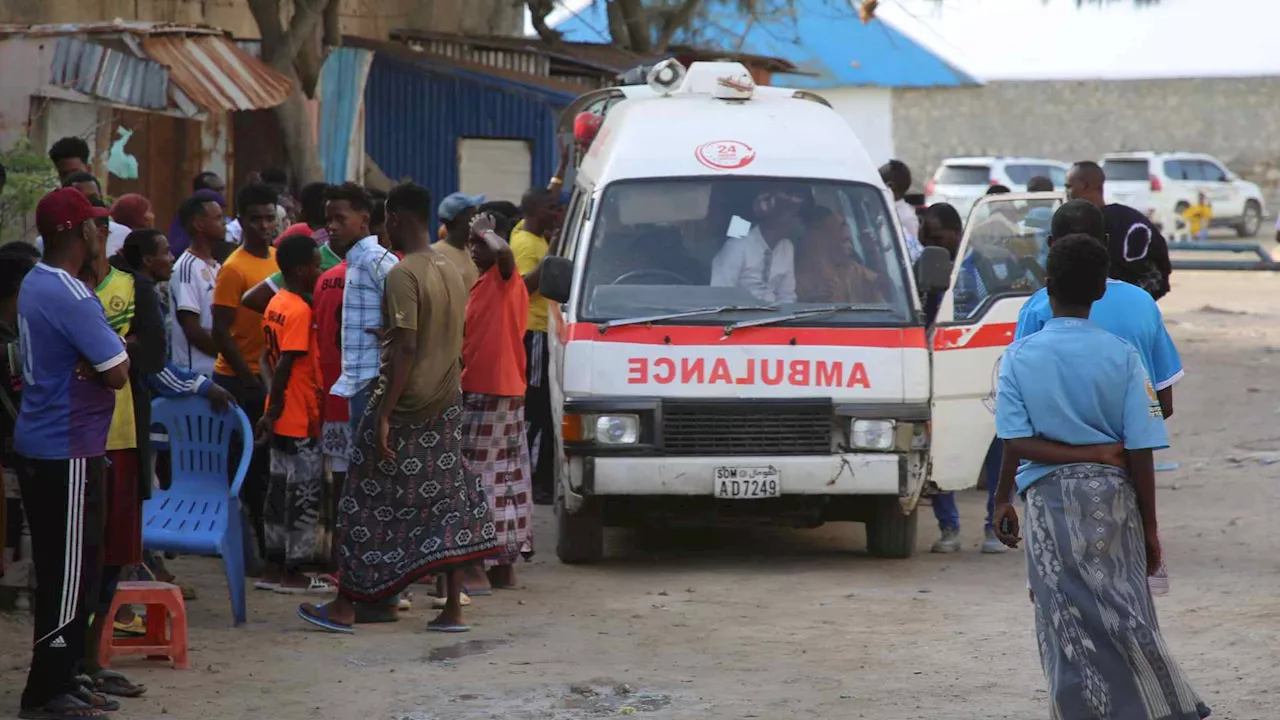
[
  {"x": 1126, "y": 170},
  {"x": 964, "y": 175},
  {"x": 745, "y": 249}
]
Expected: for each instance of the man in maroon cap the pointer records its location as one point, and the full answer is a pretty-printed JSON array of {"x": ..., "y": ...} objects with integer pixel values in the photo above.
[{"x": 72, "y": 363}]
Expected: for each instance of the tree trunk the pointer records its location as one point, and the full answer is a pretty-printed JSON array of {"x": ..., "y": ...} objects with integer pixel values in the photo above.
[
  {"x": 284, "y": 51},
  {"x": 299, "y": 138},
  {"x": 618, "y": 25},
  {"x": 636, "y": 18}
]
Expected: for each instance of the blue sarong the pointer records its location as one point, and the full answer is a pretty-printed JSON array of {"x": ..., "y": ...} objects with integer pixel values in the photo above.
[{"x": 1100, "y": 643}]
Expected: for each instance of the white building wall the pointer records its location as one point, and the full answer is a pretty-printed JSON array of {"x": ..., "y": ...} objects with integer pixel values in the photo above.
[{"x": 869, "y": 111}]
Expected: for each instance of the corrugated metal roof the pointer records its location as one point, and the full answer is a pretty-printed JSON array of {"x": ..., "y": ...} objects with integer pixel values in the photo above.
[
  {"x": 95, "y": 70},
  {"x": 217, "y": 75},
  {"x": 107, "y": 27},
  {"x": 547, "y": 88},
  {"x": 829, "y": 43}
]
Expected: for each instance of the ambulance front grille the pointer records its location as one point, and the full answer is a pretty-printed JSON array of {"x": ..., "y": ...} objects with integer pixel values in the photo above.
[{"x": 748, "y": 428}]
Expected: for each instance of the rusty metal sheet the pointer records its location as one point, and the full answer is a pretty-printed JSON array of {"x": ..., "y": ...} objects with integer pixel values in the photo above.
[
  {"x": 106, "y": 27},
  {"x": 215, "y": 74},
  {"x": 96, "y": 70}
]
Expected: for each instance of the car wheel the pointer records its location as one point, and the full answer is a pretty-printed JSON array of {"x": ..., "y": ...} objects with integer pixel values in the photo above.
[
  {"x": 891, "y": 534},
  {"x": 1251, "y": 223},
  {"x": 580, "y": 535}
]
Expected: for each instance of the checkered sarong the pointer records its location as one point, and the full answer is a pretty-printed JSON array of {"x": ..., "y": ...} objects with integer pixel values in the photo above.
[{"x": 493, "y": 443}]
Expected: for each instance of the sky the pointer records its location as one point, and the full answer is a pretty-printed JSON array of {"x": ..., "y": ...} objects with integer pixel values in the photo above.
[{"x": 1054, "y": 39}]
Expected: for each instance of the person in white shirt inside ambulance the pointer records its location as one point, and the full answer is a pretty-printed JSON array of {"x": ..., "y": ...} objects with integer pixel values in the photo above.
[{"x": 762, "y": 260}]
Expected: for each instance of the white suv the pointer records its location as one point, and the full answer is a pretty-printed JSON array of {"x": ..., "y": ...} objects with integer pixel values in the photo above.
[
  {"x": 961, "y": 181},
  {"x": 1162, "y": 185}
]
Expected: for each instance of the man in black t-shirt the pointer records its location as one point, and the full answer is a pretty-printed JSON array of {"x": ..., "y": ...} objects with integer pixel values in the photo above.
[{"x": 1139, "y": 253}]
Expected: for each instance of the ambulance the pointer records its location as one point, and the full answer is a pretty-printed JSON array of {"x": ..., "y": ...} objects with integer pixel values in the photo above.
[{"x": 737, "y": 332}]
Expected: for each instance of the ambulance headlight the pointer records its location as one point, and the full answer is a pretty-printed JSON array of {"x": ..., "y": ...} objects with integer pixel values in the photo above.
[
  {"x": 872, "y": 434},
  {"x": 617, "y": 429}
]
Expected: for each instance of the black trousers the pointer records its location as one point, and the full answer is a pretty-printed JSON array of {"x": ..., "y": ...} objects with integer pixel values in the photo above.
[
  {"x": 537, "y": 416},
  {"x": 253, "y": 493},
  {"x": 63, "y": 500}
]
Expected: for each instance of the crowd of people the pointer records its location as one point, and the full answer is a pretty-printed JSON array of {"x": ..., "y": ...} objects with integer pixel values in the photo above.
[{"x": 395, "y": 378}]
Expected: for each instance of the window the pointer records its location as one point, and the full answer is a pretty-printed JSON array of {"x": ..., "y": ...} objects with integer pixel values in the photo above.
[
  {"x": 1175, "y": 170},
  {"x": 1007, "y": 248},
  {"x": 1022, "y": 174},
  {"x": 1126, "y": 170},
  {"x": 964, "y": 175},
  {"x": 1058, "y": 176},
  {"x": 669, "y": 246},
  {"x": 1211, "y": 172}
]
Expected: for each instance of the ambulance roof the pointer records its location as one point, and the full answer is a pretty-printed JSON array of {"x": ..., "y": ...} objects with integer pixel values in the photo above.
[{"x": 772, "y": 134}]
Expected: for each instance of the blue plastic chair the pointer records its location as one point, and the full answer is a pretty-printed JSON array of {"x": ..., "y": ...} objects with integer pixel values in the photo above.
[{"x": 199, "y": 514}]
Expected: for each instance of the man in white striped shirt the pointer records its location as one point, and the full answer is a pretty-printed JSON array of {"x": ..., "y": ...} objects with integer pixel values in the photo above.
[{"x": 191, "y": 288}]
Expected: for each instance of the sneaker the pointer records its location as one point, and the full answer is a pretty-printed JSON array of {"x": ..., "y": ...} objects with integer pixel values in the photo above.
[
  {"x": 948, "y": 543},
  {"x": 992, "y": 545}
]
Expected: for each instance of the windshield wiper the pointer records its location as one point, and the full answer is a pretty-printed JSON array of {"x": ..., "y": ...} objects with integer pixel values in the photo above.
[
  {"x": 606, "y": 326},
  {"x": 801, "y": 314}
]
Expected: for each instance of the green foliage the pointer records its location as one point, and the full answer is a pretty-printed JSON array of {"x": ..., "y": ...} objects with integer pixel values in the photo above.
[{"x": 30, "y": 176}]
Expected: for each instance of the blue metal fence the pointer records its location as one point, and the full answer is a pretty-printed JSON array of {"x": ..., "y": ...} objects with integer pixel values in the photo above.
[{"x": 416, "y": 112}]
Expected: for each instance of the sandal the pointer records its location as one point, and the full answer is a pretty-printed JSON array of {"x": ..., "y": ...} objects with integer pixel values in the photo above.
[
  {"x": 62, "y": 707},
  {"x": 439, "y": 603},
  {"x": 95, "y": 700},
  {"x": 321, "y": 619},
  {"x": 110, "y": 682},
  {"x": 134, "y": 628},
  {"x": 318, "y": 585}
]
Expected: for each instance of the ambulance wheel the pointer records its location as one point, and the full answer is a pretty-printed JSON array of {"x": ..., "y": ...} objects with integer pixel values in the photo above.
[
  {"x": 890, "y": 534},
  {"x": 579, "y": 536}
]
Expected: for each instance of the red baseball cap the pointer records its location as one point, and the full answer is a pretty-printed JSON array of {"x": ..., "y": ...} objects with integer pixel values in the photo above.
[{"x": 64, "y": 209}]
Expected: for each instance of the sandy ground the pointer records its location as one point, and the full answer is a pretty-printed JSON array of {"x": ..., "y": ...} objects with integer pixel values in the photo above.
[{"x": 792, "y": 624}]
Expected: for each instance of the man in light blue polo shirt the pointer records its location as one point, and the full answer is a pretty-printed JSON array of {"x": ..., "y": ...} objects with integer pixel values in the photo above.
[{"x": 1125, "y": 310}]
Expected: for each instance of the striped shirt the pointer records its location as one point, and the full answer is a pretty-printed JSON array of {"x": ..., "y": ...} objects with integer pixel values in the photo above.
[
  {"x": 367, "y": 266},
  {"x": 191, "y": 290}
]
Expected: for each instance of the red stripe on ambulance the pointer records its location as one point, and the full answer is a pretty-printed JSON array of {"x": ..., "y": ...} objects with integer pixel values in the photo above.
[{"x": 761, "y": 336}]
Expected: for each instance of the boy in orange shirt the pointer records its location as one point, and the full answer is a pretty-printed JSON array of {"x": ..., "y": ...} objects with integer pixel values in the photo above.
[
  {"x": 493, "y": 387},
  {"x": 291, "y": 425}
]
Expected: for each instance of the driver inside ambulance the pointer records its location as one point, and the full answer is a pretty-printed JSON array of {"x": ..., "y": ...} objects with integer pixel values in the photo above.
[{"x": 762, "y": 259}]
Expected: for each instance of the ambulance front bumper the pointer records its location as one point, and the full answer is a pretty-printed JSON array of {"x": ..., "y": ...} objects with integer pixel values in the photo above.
[{"x": 839, "y": 474}]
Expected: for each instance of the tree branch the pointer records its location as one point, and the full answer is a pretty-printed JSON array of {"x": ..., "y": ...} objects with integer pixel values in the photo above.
[
  {"x": 618, "y": 31},
  {"x": 636, "y": 18},
  {"x": 538, "y": 11},
  {"x": 333, "y": 24},
  {"x": 307, "y": 15},
  {"x": 675, "y": 21}
]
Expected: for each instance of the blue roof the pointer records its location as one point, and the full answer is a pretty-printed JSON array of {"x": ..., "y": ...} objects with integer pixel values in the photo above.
[{"x": 824, "y": 40}]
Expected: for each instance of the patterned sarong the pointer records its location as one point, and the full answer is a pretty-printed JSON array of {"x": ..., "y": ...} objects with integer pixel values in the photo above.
[
  {"x": 493, "y": 442},
  {"x": 1100, "y": 644},
  {"x": 418, "y": 513}
]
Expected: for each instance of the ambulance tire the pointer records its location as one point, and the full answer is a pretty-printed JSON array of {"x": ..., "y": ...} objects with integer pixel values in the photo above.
[
  {"x": 890, "y": 534},
  {"x": 579, "y": 536}
]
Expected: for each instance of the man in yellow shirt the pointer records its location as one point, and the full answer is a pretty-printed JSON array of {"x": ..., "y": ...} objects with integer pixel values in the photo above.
[
  {"x": 530, "y": 242},
  {"x": 237, "y": 331},
  {"x": 1198, "y": 218}
]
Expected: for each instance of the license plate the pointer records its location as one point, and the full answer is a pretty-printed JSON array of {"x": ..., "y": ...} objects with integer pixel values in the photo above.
[{"x": 748, "y": 483}]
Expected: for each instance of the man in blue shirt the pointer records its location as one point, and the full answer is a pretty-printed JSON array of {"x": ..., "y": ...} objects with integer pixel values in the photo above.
[
  {"x": 1125, "y": 310},
  {"x": 72, "y": 363}
]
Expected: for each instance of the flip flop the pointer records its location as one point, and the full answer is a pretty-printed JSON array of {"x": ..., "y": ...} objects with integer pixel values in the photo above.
[
  {"x": 483, "y": 592},
  {"x": 264, "y": 585},
  {"x": 95, "y": 700},
  {"x": 62, "y": 707},
  {"x": 448, "y": 628},
  {"x": 322, "y": 620},
  {"x": 439, "y": 603},
  {"x": 110, "y": 682},
  {"x": 318, "y": 585}
]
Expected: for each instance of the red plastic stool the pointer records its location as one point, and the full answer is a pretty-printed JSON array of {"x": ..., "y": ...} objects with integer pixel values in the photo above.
[{"x": 163, "y": 641}]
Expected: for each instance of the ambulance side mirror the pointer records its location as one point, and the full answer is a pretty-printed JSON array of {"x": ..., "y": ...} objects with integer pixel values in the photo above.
[
  {"x": 557, "y": 279},
  {"x": 933, "y": 270}
]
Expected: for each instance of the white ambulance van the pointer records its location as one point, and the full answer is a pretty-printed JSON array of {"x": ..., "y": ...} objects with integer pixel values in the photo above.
[{"x": 736, "y": 329}]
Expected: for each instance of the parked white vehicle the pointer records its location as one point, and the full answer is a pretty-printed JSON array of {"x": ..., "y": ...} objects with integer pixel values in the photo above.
[
  {"x": 961, "y": 181},
  {"x": 1163, "y": 185}
]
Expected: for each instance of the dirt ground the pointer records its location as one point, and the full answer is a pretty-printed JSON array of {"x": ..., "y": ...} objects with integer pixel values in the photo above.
[{"x": 791, "y": 624}]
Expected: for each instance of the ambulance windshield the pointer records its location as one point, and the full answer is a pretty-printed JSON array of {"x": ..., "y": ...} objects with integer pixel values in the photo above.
[{"x": 667, "y": 246}]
